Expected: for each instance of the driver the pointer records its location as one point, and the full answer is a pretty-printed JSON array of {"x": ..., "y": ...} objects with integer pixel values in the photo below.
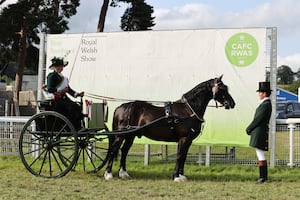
[{"x": 57, "y": 87}]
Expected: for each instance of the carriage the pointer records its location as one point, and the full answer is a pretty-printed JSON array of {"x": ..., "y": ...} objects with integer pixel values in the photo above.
[{"x": 50, "y": 146}]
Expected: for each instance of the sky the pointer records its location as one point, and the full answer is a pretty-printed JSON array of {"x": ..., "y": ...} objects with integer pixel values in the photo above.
[{"x": 201, "y": 14}]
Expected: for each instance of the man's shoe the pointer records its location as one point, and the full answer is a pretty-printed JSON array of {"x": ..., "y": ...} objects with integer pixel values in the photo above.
[{"x": 261, "y": 180}]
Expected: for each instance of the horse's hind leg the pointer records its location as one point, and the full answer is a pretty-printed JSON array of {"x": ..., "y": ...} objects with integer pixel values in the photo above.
[
  {"x": 124, "y": 152},
  {"x": 113, "y": 151}
]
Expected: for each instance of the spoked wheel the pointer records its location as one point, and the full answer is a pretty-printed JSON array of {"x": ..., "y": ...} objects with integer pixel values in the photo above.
[
  {"x": 93, "y": 149},
  {"x": 48, "y": 145}
]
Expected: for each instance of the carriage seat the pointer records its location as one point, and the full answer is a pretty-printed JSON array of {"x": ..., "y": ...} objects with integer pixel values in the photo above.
[{"x": 46, "y": 105}]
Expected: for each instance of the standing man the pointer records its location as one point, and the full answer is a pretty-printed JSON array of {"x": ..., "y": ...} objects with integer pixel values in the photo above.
[
  {"x": 258, "y": 129},
  {"x": 58, "y": 87}
]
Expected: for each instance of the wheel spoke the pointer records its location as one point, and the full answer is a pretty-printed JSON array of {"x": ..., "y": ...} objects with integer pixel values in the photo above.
[
  {"x": 37, "y": 158},
  {"x": 43, "y": 162}
]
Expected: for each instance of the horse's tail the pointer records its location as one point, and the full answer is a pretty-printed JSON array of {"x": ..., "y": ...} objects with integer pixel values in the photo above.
[
  {"x": 114, "y": 126},
  {"x": 119, "y": 123}
]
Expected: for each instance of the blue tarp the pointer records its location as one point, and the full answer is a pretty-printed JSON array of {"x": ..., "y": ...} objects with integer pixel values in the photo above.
[{"x": 284, "y": 95}]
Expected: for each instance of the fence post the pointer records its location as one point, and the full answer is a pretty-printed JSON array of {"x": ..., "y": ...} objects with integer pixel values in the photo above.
[
  {"x": 291, "y": 127},
  {"x": 34, "y": 147},
  {"x": 167, "y": 153},
  {"x": 207, "y": 158},
  {"x": 6, "y": 108},
  {"x": 200, "y": 161},
  {"x": 147, "y": 154}
]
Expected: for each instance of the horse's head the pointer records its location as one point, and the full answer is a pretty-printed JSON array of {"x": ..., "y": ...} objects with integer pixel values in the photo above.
[{"x": 221, "y": 94}]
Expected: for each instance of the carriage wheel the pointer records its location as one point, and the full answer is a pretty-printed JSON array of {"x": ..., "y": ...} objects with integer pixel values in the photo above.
[
  {"x": 93, "y": 148},
  {"x": 48, "y": 145}
]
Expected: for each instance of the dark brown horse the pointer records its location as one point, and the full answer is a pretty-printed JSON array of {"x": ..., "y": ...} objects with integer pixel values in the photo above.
[{"x": 178, "y": 121}]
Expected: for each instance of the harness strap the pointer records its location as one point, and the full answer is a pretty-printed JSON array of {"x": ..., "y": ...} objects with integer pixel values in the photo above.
[
  {"x": 168, "y": 110},
  {"x": 184, "y": 100},
  {"x": 169, "y": 115}
]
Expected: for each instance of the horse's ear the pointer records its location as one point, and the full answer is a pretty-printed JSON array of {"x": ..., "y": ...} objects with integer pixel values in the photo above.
[{"x": 220, "y": 78}]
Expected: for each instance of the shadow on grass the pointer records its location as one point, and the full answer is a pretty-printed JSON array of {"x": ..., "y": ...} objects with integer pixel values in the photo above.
[
  {"x": 163, "y": 171},
  {"x": 158, "y": 170},
  {"x": 218, "y": 172}
]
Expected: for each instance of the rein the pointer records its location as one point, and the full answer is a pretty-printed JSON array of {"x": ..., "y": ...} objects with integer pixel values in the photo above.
[
  {"x": 105, "y": 98},
  {"x": 95, "y": 96},
  {"x": 183, "y": 100}
]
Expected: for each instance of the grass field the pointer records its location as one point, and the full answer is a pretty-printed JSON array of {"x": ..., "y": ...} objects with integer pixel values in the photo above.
[{"x": 150, "y": 182}]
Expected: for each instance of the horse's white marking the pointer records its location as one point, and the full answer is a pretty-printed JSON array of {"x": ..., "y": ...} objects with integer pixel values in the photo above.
[
  {"x": 123, "y": 174},
  {"x": 108, "y": 176},
  {"x": 180, "y": 178}
]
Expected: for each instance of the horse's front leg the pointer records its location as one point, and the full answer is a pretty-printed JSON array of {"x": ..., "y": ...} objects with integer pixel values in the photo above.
[
  {"x": 182, "y": 150},
  {"x": 113, "y": 151},
  {"x": 124, "y": 152}
]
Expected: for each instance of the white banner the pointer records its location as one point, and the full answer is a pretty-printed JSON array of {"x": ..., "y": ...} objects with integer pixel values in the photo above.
[{"x": 163, "y": 65}]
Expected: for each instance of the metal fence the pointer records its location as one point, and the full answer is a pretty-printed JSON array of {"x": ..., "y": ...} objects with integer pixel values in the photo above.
[
  {"x": 10, "y": 128},
  {"x": 287, "y": 146}
]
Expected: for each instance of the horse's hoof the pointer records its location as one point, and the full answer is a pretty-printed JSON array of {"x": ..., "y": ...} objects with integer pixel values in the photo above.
[
  {"x": 108, "y": 176},
  {"x": 183, "y": 177},
  {"x": 180, "y": 178},
  {"x": 123, "y": 174}
]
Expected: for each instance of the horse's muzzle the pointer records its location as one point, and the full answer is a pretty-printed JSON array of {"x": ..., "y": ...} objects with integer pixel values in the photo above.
[{"x": 229, "y": 104}]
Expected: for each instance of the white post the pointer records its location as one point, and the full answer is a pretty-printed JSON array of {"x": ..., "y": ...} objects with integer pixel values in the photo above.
[
  {"x": 41, "y": 66},
  {"x": 35, "y": 152},
  {"x": 291, "y": 127},
  {"x": 200, "y": 161},
  {"x": 6, "y": 108},
  {"x": 147, "y": 154},
  {"x": 207, "y": 158},
  {"x": 273, "y": 79}
]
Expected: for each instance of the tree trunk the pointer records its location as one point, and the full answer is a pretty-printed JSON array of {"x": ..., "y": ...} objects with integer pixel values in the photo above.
[
  {"x": 102, "y": 16},
  {"x": 20, "y": 69},
  {"x": 2, "y": 1}
]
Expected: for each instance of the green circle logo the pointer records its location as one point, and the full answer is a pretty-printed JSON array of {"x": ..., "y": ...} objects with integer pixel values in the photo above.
[{"x": 241, "y": 49}]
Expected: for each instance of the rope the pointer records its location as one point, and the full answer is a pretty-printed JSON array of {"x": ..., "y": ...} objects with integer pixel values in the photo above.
[{"x": 77, "y": 51}]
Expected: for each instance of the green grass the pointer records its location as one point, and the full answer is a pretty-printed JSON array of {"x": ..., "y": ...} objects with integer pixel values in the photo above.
[{"x": 150, "y": 182}]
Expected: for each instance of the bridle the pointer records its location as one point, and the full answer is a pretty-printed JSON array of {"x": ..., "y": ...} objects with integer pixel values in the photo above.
[{"x": 215, "y": 90}]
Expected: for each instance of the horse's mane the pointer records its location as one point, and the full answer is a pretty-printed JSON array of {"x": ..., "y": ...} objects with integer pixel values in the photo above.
[
  {"x": 200, "y": 88},
  {"x": 199, "y": 96}
]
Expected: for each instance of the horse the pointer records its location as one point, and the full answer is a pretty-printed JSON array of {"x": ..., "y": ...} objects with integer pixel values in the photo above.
[{"x": 178, "y": 121}]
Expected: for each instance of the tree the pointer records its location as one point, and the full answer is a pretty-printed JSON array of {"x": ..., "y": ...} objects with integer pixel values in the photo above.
[
  {"x": 22, "y": 22},
  {"x": 103, "y": 12},
  {"x": 285, "y": 75},
  {"x": 293, "y": 87},
  {"x": 102, "y": 16},
  {"x": 298, "y": 74},
  {"x": 137, "y": 17}
]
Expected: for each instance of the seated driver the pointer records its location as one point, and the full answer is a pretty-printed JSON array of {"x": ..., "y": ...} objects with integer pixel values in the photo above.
[{"x": 57, "y": 87}]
